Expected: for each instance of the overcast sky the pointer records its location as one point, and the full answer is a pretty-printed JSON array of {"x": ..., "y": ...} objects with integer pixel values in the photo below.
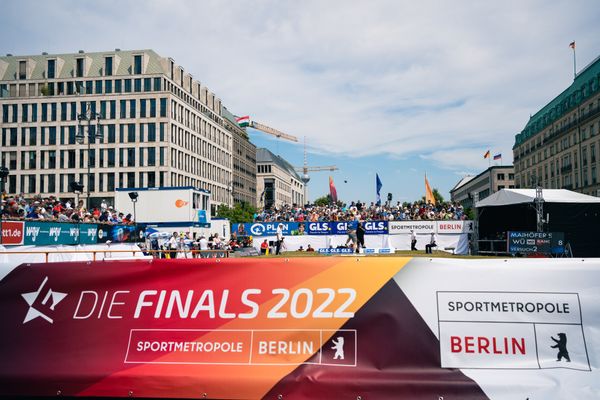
[{"x": 399, "y": 88}]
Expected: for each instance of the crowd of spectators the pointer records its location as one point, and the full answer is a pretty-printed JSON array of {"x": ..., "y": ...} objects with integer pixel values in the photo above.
[
  {"x": 54, "y": 210},
  {"x": 365, "y": 212}
]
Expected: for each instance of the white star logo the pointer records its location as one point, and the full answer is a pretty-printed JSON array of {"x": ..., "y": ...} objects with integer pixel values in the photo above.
[{"x": 31, "y": 298}]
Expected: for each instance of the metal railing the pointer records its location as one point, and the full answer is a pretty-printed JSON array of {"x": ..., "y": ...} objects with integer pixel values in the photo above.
[{"x": 162, "y": 254}]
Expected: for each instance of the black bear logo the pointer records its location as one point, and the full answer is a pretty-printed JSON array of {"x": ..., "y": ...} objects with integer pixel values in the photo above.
[{"x": 561, "y": 344}]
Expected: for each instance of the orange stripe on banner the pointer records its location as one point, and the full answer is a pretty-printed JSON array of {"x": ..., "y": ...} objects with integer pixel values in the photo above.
[{"x": 366, "y": 276}]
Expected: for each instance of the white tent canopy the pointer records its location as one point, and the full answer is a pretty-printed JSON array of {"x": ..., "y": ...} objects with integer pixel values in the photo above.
[{"x": 519, "y": 196}]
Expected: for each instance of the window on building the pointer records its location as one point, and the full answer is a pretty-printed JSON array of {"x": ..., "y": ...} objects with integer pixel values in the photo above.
[
  {"x": 151, "y": 156},
  {"x": 108, "y": 86},
  {"x": 131, "y": 108},
  {"x": 147, "y": 84},
  {"x": 24, "y": 112},
  {"x": 143, "y": 108},
  {"x": 22, "y": 69},
  {"x": 108, "y": 66},
  {"x": 157, "y": 87},
  {"x": 118, "y": 86},
  {"x": 89, "y": 87},
  {"x": 51, "y": 70},
  {"x": 137, "y": 64},
  {"x": 152, "y": 108},
  {"x": 137, "y": 85},
  {"x": 79, "y": 67},
  {"x": 131, "y": 133},
  {"x": 163, "y": 107},
  {"x": 131, "y": 157}
]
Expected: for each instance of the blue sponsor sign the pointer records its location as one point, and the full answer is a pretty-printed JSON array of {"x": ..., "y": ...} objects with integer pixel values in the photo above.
[
  {"x": 121, "y": 233},
  {"x": 202, "y": 217},
  {"x": 339, "y": 228},
  {"x": 341, "y": 250},
  {"x": 371, "y": 227},
  {"x": 266, "y": 228},
  {"x": 375, "y": 227},
  {"x": 53, "y": 233},
  {"x": 318, "y": 228},
  {"x": 309, "y": 228}
]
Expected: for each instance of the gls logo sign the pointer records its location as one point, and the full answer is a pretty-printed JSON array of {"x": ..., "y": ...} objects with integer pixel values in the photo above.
[
  {"x": 375, "y": 226},
  {"x": 42, "y": 302}
]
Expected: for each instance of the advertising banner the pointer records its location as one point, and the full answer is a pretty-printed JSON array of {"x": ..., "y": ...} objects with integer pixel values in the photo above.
[
  {"x": 121, "y": 233},
  {"x": 454, "y": 226},
  {"x": 303, "y": 328},
  {"x": 536, "y": 242},
  {"x": 12, "y": 233},
  {"x": 404, "y": 227},
  {"x": 265, "y": 228},
  {"x": 424, "y": 227},
  {"x": 54, "y": 233}
]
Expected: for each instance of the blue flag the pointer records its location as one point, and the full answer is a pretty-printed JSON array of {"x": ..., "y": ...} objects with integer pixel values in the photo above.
[{"x": 378, "y": 184}]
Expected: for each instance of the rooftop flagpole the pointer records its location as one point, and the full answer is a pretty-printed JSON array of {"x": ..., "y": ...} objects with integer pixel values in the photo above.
[{"x": 572, "y": 45}]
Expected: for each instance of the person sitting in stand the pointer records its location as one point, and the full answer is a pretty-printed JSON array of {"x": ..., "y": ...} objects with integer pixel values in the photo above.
[
  {"x": 300, "y": 248},
  {"x": 309, "y": 248}
]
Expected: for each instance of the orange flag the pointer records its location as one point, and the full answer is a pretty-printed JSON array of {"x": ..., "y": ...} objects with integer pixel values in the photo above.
[{"x": 428, "y": 193}]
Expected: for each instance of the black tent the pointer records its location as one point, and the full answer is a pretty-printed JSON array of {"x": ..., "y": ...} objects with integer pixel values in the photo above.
[{"x": 575, "y": 214}]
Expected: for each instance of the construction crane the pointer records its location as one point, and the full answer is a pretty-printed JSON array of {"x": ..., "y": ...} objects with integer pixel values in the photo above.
[
  {"x": 246, "y": 122},
  {"x": 305, "y": 169}
]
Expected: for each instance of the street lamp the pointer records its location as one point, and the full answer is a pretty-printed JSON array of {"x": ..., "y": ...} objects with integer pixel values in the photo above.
[
  {"x": 92, "y": 134},
  {"x": 134, "y": 198}
]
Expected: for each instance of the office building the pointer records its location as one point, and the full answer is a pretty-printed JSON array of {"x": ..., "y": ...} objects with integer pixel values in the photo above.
[
  {"x": 244, "y": 162},
  {"x": 160, "y": 126},
  {"x": 475, "y": 188},
  {"x": 558, "y": 147},
  {"x": 277, "y": 181}
]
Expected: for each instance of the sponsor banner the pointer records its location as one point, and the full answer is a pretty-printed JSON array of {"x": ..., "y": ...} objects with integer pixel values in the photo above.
[
  {"x": 121, "y": 233},
  {"x": 265, "y": 228},
  {"x": 404, "y": 227},
  {"x": 423, "y": 227},
  {"x": 339, "y": 250},
  {"x": 454, "y": 226},
  {"x": 307, "y": 228},
  {"x": 318, "y": 228},
  {"x": 166, "y": 328},
  {"x": 383, "y": 250},
  {"x": 504, "y": 329},
  {"x": 536, "y": 242},
  {"x": 12, "y": 233},
  {"x": 371, "y": 227},
  {"x": 53, "y": 233},
  {"x": 394, "y": 328}
]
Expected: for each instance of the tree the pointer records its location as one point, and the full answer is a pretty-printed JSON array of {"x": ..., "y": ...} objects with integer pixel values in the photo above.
[
  {"x": 323, "y": 201},
  {"x": 239, "y": 213},
  {"x": 326, "y": 200},
  {"x": 436, "y": 195}
]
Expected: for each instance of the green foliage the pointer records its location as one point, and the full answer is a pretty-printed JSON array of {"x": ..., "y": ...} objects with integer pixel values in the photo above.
[
  {"x": 239, "y": 213},
  {"x": 470, "y": 213},
  {"x": 323, "y": 201},
  {"x": 45, "y": 90},
  {"x": 437, "y": 196},
  {"x": 326, "y": 200}
]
